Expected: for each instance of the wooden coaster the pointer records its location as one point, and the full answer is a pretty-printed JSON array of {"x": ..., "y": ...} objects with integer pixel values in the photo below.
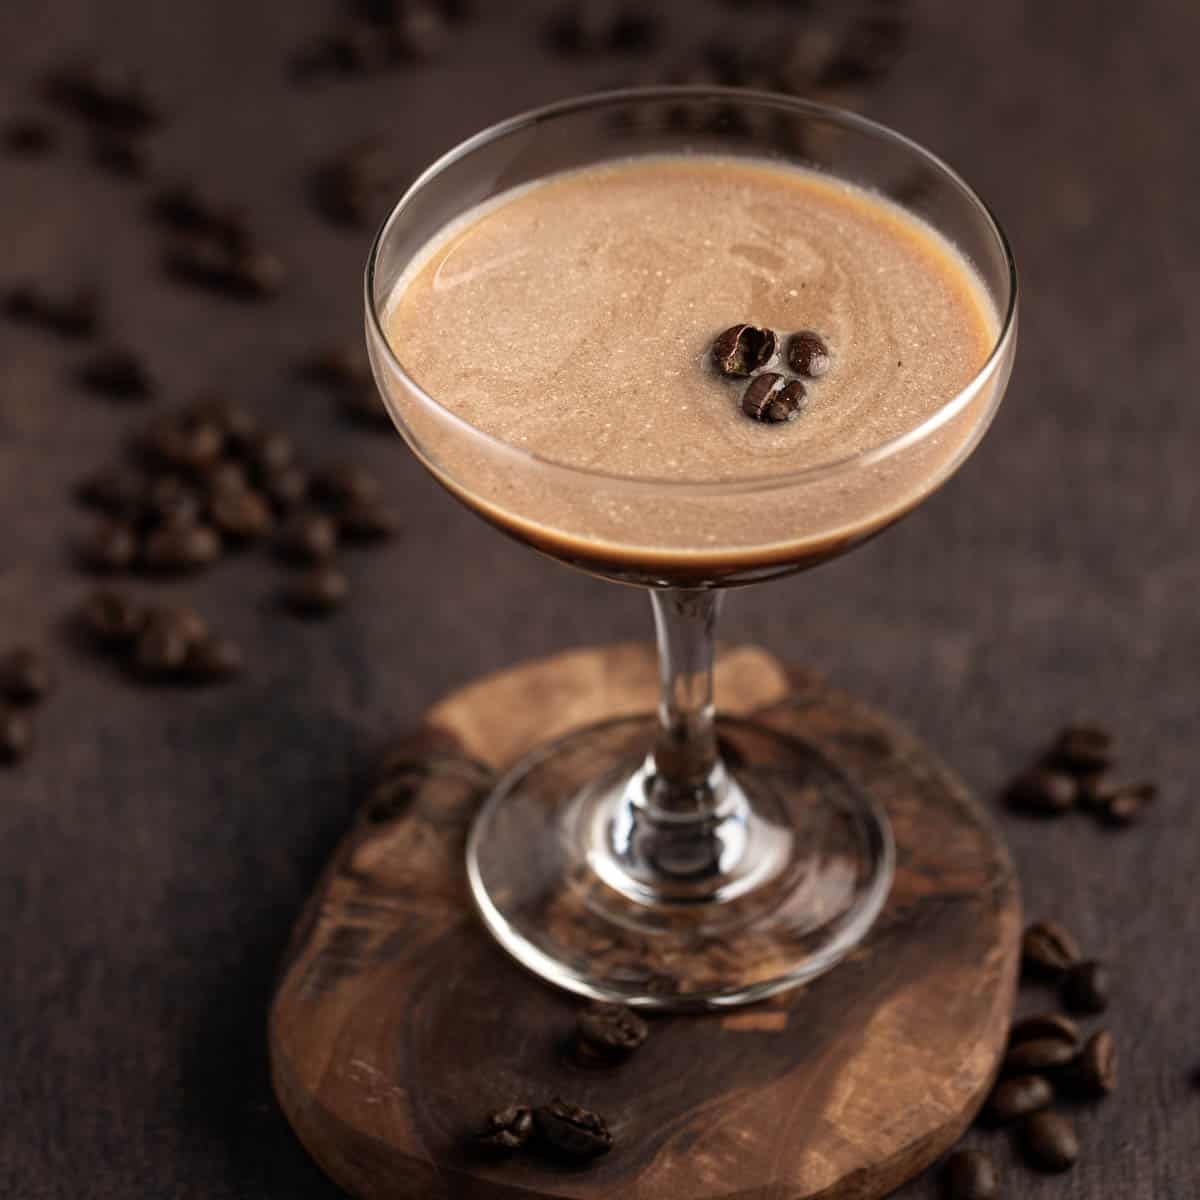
[{"x": 398, "y": 1024}]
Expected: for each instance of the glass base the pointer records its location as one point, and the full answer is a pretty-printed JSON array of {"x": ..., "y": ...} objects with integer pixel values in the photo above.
[{"x": 587, "y": 884}]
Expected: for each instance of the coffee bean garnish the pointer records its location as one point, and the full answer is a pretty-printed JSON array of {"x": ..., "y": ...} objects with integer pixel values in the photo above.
[
  {"x": 116, "y": 373},
  {"x": 1049, "y": 1142},
  {"x": 1017, "y": 1097},
  {"x": 317, "y": 592},
  {"x": 1044, "y": 792},
  {"x": 808, "y": 355},
  {"x": 506, "y": 1129},
  {"x": 28, "y": 137},
  {"x": 607, "y": 1033},
  {"x": 969, "y": 1175},
  {"x": 1085, "y": 988},
  {"x": 308, "y": 537},
  {"x": 1093, "y": 1074},
  {"x": 568, "y": 1131},
  {"x": 1037, "y": 1056},
  {"x": 25, "y": 676},
  {"x": 111, "y": 617},
  {"x": 1044, "y": 1025},
  {"x": 743, "y": 349},
  {"x": 16, "y": 735},
  {"x": 769, "y": 399}
]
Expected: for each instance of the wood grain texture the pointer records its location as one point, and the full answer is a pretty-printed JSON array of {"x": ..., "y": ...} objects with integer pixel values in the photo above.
[{"x": 398, "y": 1023}]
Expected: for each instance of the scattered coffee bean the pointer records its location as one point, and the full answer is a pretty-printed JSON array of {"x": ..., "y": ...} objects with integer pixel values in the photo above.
[
  {"x": 1017, "y": 1097},
  {"x": 769, "y": 399},
  {"x": 969, "y": 1175},
  {"x": 1044, "y": 1025},
  {"x": 568, "y": 1131},
  {"x": 108, "y": 547},
  {"x": 182, "y": 442},
  {"x": 1047, "y": 949},
  {"x": 308, "y": 537},
  {"x": 226, "y": 477},
  {"x": 119, "y": 156},
  {"x": 16, "y": 735},
  {"x": 417, "y": 33},
  {"x": 270, "y": 452},
  {"x": 182, "y": 208},
  {"x": 872, "y": 45},
  {"x": 169, "y": 501},
  {"x": 1049, "y": 1142},
  {"x": 808, "y": 355},
  {"x": 104, "y": 96},
  {"x": 28, "y": 137},
  {"x": 1085, "y": 988},
  {"x": 118, "y": 491},
  {"x": 743, "y": 349},
  {"x": 341, "y": 53},
  {"x": 211, "y": 659},
  {"x": 346, "y": 483},
  {"x": 1083, "y": 749},
  {"x": 506, "y": 1129},
  {"x": 25, "y": 676},
  {"x": 601, "y": 27},
  {"x": 1120, "y": 804},
  {"x": 346, "y": 190},
  {"x": 1037, "y": 1056},
  {"x": 608, "y": 1033},
  {"x": 117, "y": 374},
  {"x": 317, "y": 592},
  {"x": 245, "y": 274},
  {"x": 366, "y": 521},
  {"x": 182, "y": 549},
  {"x": 111, "y": 617},
  {"x": 235, "y": 421},
  {"x": 73, "y": 315},
  {"x": 242, "y": 515},
  {"x": 286, "y": 488},
  {"x": 1043, "y": 792},
  {"x": 161, "y": 650},
  {"x": 1093, "y": 1074}
]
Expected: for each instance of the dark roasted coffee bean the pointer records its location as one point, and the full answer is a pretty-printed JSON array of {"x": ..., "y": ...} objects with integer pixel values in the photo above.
[
  {"x": 1093, "y": 1074},
  {"x": 116, "y": 373},
  {"x": 256, "y": 274},
  {"x": 269, "y": 452},
  {"x": 28, "y": 137},
  {"x": 366, "y": 521},
  {"x": 190, "y": 548},
  {"x": 181, "y": 207},
  {"x": 108, "y": 546},
  {"x": 1049, "y": 1142},
  {"x": 238, "y": 424},
  {"x": 74, "y": 315},
  {"x": 873, "y": 43},
  {"x": 178, "y": 441},
  {"x": 608, "y": 1032},
  {"x": 418, "y": 33},
  {"x": 1017, "y": 1097},
  {"x": 286, "y": 488},
  {"x": 112, "y": 617},
  {"x": 506, "y": 1129},
  {"x": 568, "y": 1131},
  {"x": 25, "y": 676},
  {"x": 118, "y": 492},
  {"x": 308, "y": 537},
  {"x": 169, "y": 501},
  {"x": 317, "y": 592},
  {"x": 1044, "y": 1025},
  {"x": 181, "y": 618},
  {"x": 246, "y": 274},
  {"x": 1083, "y": 749},
  {"x": 119, "y": 156},
  {"x": 768, "y": 399},
  {"x": 211, "y": 659},
  {"x": 346, "y": 483},
  {"x": 1085, "y": 988},
  {"x": 808, "y": 355},
  {"x": 1120, "y": 804},
  {"x": 969, "y": 1175},
  {"x": 1041, "y": 1055},
  {"x": 602, "y": 26},
  {"x": 104, "y": 96},
  {"x": 1043, "y": 792},
  {"x": 1048, "y": 949},
  {"x": 16, "y": 736},
  {"x": 341, "y": 53},
  {"x": 343, "y": 193},
  {"x": 242, "y": 515},
  {"x": 161, "y": 650},
  {"x": 743, "y": 349},
  {"x": 226, "y": 477}
]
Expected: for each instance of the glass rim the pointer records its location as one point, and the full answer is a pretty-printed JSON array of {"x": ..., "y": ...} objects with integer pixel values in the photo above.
[{"x": 810, "y": 108}]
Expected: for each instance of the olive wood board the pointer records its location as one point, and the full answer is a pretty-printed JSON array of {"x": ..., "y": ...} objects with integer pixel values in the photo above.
[{"x": 397, "y": 1023}]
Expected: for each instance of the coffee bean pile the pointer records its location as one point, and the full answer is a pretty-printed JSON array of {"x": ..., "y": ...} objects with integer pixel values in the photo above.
[
  {"x": 25, "y": 681},
  {"x": 604, "y": 1036},
  {"x": 1075, "y": 772},
  {"x": 1049, "y": 1058}
]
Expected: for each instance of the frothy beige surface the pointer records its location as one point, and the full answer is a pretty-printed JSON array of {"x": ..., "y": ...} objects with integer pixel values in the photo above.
[{"x": 573, "y": 318}]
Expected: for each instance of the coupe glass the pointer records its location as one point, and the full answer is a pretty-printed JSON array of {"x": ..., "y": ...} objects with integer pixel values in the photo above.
[{"x": 680, "y": 860}]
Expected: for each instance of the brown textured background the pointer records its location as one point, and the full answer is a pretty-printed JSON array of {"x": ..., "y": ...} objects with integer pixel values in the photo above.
[{"x": 154, "y": 851}]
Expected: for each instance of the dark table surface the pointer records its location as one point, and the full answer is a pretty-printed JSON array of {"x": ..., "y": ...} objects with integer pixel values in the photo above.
[{"x": 156, "y": 847}]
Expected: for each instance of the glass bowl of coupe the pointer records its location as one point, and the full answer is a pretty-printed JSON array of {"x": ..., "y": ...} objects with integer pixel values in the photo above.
[{"x": 687, "y": 339}]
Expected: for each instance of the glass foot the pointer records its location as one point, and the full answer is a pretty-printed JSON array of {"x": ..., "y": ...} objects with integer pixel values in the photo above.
[{"x": 587, "y": 884}]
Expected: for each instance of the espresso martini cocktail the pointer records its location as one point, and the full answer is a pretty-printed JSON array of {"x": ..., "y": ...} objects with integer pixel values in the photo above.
[{"x": 687, "y": 360}]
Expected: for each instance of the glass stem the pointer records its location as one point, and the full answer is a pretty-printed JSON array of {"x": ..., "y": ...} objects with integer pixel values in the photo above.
[{"x": 685, "y": 759}]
